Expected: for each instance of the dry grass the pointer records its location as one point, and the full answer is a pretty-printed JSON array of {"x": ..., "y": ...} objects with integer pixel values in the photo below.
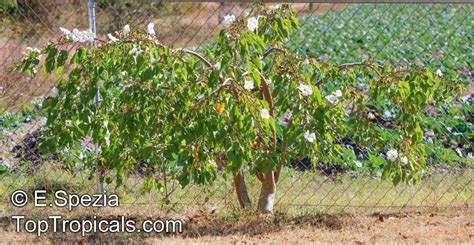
[
  {"x": 298, "y": 192},
  {"x": 204, "y": 227},
  {"x": 309, "y": 208}
]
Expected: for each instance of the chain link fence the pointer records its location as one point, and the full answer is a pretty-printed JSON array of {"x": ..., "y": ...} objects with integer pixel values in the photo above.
[{"x": 438, "y": 36}]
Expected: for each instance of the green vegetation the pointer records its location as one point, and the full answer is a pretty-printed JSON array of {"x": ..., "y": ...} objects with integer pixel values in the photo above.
[
  {"x": 10, "y": 120},
  {"x": 438, "y": 36},
  {"x": 298, "y": 189},
  {"x": 433, "y": 36},
  {"x": 247, "y": 103}
]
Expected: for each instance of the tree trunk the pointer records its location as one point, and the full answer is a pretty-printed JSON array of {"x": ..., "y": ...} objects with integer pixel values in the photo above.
[
  {"x": 241, "y": 190},
  {"x": 267, "y": 193}
]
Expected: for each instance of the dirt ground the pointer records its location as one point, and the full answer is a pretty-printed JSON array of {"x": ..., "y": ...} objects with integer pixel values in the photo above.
[{"x": 435, "y": 226}]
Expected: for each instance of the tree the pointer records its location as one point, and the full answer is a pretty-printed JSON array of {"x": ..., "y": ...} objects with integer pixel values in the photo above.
[{"x": 245, "y": 102}]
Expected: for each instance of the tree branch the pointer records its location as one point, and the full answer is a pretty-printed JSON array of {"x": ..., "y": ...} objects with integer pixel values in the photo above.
[
  {"x": 366, "y": 64},
  {"x": 273, "y": 50},
  {"x": 187, "y": 51}
]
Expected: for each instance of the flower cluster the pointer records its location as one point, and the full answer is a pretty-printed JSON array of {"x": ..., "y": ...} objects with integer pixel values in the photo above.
[
  {"x": 285, "y": 118},
  {"x": 30, "y": 50},
  {"x": 310, "y": 137},
  {"x": 264, "y": 114},
  {"x": 392, "y": 155},
  {"x": 252, "y": 23},
  {"x": 126, "y": 30},
  {"x": 112, "y": 38},
  {"x": 404, "y": 160},
  {"x": 334, "y": 97},
  {"x": 79, "y": 36},
  {"x": 305, "y": 89},
  {"x": 274, "y": 7},
  {"x": 248, "y": 85},
  {"x": 387, "y": 115},
  {"x": 228, "y": 20},
  {"x": 151, "y": 29}
]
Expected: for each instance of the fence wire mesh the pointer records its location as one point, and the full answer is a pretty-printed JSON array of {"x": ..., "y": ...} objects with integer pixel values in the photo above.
[{"x": 438, "y": 36}]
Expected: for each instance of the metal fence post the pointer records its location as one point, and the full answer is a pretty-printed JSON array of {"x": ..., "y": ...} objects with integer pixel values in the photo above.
[
  {"x": 92, "y": 27},
  {"x": 92, "y": 19}
]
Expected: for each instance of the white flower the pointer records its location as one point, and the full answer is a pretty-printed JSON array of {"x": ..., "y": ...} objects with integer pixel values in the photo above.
[
  {"x": 387, "y": 114},
  {"x": 285, "y": 118},
  {"x": 305, "y": 89},
  {"x": 309, "y": 136},
  {"x": 248, "y": 85},
  {"x": 371, "y": 116},
  {"x": 76, "y": 35},
  {"x": 264, "y": 114},
  {"x": 135, "y": 50},
  {"x": 126, "y": 30},
  {"x": 30, "y": 50},
  {"x": 252, "y": 23},
  {"x": 81, "y": 156},
  {"x": 404, "y": 160},
  {"x": 392, "y": 155},
  {"x": 88, "y": 35},
  {"x": 269, "y": 81},
  {"x": 439, "y": 73},
  {"x": 54, "y": 92},
  {"x": 332, "y": 98},
  {"x": 459, "y": 152},
  {"x": 122, "y": 74},
  {"x": 65, "y": 31},
  {"x": 274, "y": 7},
  {"x": 151, "y": 29},
  {"x": 80, "y": 36},
  {"x": 112, "y": 38},
  {"x": 228, "y": 20}
]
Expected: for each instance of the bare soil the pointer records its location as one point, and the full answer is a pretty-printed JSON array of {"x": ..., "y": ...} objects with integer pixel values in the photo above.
[{"x": 429, "y": 226}]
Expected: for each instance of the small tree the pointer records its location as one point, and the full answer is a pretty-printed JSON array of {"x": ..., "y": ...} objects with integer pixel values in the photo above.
[{"x": 245, "y": 102}]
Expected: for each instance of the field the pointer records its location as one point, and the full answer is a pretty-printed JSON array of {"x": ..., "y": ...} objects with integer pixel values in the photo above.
[
  {"x": 433, "y": 35},
  {"x": 429, "y": 226},
  {"x": 344, "y": 201},
  {"x": 309, "y": 208}
]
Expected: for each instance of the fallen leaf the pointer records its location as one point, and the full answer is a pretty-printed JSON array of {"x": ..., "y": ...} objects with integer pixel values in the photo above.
[{"x": 381, "y": 218}]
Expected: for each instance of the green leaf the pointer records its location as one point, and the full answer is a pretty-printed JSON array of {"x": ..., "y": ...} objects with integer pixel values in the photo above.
[
  {"x": 61, "y": 60},
  {"x": 49, "y": 63},
  {"x": 396, "y": 180}
]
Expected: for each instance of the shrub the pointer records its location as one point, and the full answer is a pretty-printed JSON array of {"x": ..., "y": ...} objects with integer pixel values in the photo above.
[{"x": 247, "y": 104}]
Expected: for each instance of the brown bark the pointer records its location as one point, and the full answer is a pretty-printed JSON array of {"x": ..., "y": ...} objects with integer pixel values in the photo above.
[
  {"x": 241, "y": 190},
  {"x": 267, "y": 193}
]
